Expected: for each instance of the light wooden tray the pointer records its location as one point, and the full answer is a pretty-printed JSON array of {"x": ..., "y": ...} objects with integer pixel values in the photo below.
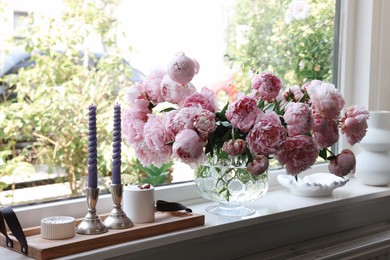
[{"x": 165, "y": 222}]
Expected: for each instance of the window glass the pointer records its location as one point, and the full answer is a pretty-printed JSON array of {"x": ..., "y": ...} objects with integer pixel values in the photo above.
[{"x": 70, "y": 54}]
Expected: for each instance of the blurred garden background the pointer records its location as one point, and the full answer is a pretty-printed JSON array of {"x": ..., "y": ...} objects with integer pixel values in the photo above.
[{"x": 58, "y": 57}]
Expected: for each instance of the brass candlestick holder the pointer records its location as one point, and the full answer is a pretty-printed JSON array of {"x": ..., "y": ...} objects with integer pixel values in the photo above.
[
  {"x": 91, "y": 224},
  {"x": 117, "y": 218}
]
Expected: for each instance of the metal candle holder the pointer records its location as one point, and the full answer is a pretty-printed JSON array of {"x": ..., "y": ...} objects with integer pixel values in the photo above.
[
  {"x": 91, "y": 224},
  {"x": 117, "y": 218}
]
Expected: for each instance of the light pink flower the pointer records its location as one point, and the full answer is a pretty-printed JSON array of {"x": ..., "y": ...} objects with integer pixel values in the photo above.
[
  {"x": 298, "y": 153},
  {"x": 148, "y": 155},
  {"x": 343, "y": 164},
  {"x": 182, "y": 68},
  {"x": 134, "y": 93},
  {"x": 354, "y": 124},
  {"x": 325, "y": 131},
  {"x": 299, "y": 118},
  {"x": 133, "y": 122},
  {"x": 293, "y": 93},
  {"x": 152, "y": 85},
  {"x": 204, "y": 99},
  {"x": 156, "y": 138},
  {"x": 188, "y": 147},
  {"x": 173, "y": 92},
  {"x": 259, "y": 165},
  {"x": 234, "y": 147},
  {"x": 325, "y": 98},
  {"x": 181, "y": 119},
  {"x": 242, "y": 113},
  {"x": 267, "y": 85},
  {"x": 204, "y": 123},
  {"x": 267, "y": 135}
]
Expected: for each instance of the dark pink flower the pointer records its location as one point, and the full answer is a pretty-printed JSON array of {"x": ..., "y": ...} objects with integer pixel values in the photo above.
[
  {"x": 259, "y": 165},
  {"x": 343, "y": 164},
  {"x": 182, "y": 68},
  {"x": 234, "y": 146},
  {"x": 354, "y": 124},
  {"x": 267, "y": 135},
  {"x": 267, "y": 85},
  {"x": 242, "y": 113},
  {"x": 298, "y": 153},
  {"x": 325, "y": 131},
  {"x": 299, "y": 118},
  {"x": 188, "y": 147}
]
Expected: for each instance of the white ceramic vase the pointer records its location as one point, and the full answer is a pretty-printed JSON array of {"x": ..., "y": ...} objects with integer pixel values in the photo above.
[{"x": 373, "y": 163}]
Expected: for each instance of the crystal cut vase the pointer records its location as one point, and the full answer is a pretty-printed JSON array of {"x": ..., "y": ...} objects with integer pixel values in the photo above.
[{"x": 228, "y": 183}]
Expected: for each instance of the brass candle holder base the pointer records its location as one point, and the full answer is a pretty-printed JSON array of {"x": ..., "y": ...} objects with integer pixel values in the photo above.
[
  {"x": 117, "y": 218},
  {"x": 91, "y": 224}
]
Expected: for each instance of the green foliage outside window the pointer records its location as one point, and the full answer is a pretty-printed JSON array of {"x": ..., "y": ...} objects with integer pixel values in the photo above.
[
  {"x": 50, "y": 112},
  {"x": 265, "y": 38}
]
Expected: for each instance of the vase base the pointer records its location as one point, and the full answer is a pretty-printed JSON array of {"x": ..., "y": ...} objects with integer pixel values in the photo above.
[{"x": 230, "y": 211}]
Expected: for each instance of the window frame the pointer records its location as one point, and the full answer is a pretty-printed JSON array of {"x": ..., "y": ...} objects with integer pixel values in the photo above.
[{"x": 360, "y": 64}]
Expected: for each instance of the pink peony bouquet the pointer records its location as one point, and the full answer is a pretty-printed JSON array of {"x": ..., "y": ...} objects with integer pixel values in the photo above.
[{"x": 295, "y": 125}]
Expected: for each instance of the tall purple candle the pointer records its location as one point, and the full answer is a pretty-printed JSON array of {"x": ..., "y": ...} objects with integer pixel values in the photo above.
[
  {"x": 116, "y": 146},
  {"x": 92, "y": 148}
]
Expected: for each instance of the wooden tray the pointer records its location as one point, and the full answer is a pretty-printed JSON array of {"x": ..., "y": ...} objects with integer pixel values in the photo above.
[{"x": 165, "y": 222}]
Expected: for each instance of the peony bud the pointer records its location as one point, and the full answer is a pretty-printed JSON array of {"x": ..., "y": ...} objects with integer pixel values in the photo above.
[
  {"x": 259, "y": 165},
  {"x": 343, "y": 164},
  {"x": 182, "y": 68}
]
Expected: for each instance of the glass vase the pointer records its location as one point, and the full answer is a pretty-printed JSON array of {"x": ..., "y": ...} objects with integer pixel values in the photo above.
[{"x": 229, "y": 183}]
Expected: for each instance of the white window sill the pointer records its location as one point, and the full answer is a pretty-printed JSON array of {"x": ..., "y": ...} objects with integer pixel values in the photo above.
[{"x": 281, "y": 219}]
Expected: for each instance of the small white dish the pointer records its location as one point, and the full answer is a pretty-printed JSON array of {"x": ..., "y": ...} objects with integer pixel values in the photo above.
[{"x": 314, "y": 185}]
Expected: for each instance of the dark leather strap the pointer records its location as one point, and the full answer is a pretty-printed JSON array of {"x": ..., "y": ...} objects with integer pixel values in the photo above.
[
  {"x": 3, "y": 230},
  {"x": 13, "y": 223},
  {"x": 162, "y": 205}
]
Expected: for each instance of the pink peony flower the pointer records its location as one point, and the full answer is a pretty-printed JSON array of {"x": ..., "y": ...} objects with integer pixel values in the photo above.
[
  {"x": 181, "y": 119},
  {"x": 173, "y": 92},
  {"x": 188, "y": 147},
  {"x": 148, "y": 156},
  {"x": 299, "y": 118},
  {"x": 325, "y": 98},
  {"x": 204, "y": 99},
  {"x": 135, "y": 93},
  {"x": 343, "y": 164},
  {"x": 133, "y": 126},
  {"x": 354, "y": 124},
  {"x": 267, "y": 135},
  {"x": 266, "y": 85},
  {"x": 259, "y": 165},
  {"x": 234, "y": 147},
  {"x": 156, "y": 137},
  {"x": 152, "y": 85},
  {"x": 325, "y": 131},
  {"x": 242, "y": 113},
  {"x": 182, "y": 68},
  {"x": 298, "y": 153},
  {"x": 293, "y": 93},
  {"x": 204, "y": 123}
]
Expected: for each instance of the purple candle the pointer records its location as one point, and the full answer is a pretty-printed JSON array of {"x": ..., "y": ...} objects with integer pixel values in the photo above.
[
  {"x": 116, "y": 146},
  {"x": 92, "y": 148}
]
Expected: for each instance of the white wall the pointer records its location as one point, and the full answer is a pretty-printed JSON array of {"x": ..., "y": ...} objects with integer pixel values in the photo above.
[{"x": 364, "y": 53}]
